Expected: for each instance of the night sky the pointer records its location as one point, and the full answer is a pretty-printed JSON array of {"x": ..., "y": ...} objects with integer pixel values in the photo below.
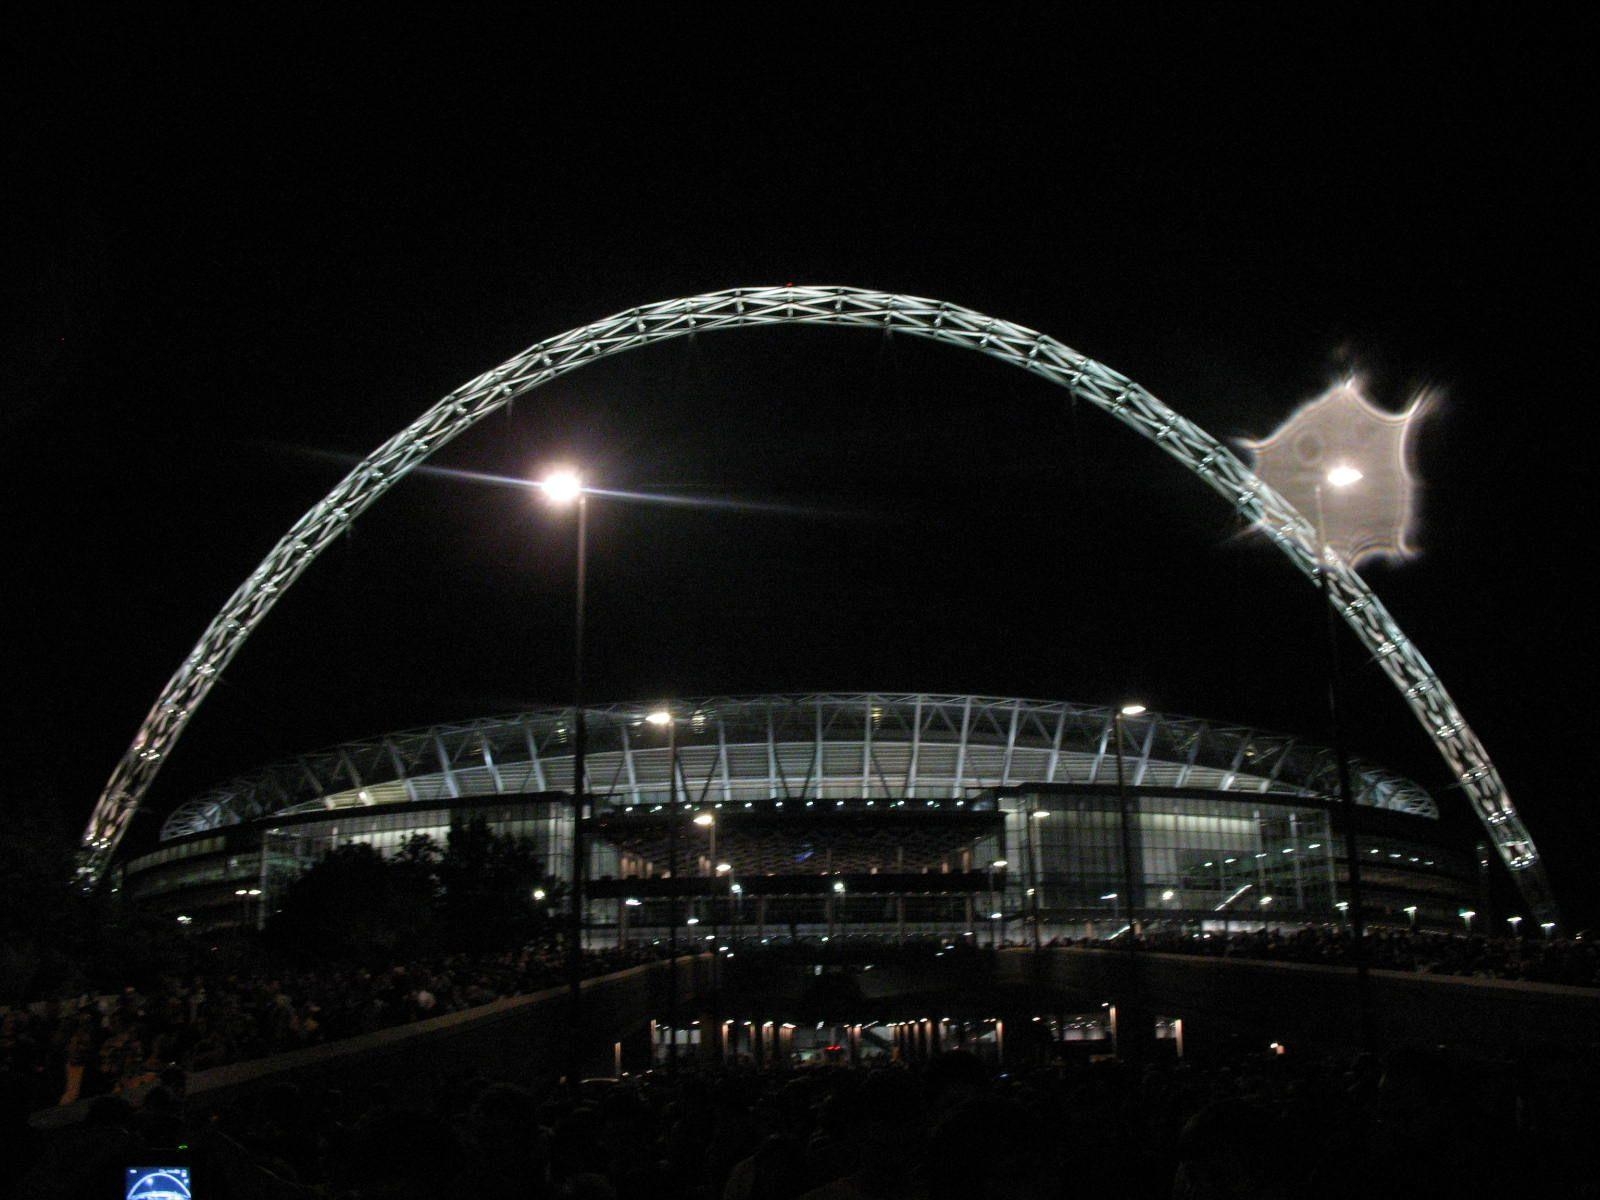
[{"x": 246, "y": 249}]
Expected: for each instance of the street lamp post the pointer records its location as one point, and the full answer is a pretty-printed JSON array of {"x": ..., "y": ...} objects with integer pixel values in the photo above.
[
  {"x": 998, "y": 864},
  {"x": 566, "y": 487},
  {"x": 708, "y": 822},
  {"x": 1032, "y": 847},
  {"x": 665, "y": 717},
  {"x": 1126, "y": 710},
  {"x": 1342, "y": 477}
]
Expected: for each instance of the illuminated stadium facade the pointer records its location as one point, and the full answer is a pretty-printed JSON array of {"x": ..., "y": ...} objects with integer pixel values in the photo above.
[{"x": 848, "y": 815}]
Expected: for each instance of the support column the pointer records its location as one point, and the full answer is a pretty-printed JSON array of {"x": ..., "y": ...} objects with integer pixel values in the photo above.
[
  {"x": 1134, "y": 1028},
  {"x": 900, "y": 899}
]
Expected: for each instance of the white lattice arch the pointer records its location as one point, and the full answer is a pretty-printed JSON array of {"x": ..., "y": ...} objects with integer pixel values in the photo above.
[{"x": 951, "y": 324}]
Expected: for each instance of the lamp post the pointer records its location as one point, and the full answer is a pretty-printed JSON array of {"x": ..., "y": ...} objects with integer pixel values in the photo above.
[
  {"x": 1343, "y": 476},
  {"x": 565, "y": 487},
  {"x": 1126, "y": 710},
  {"x": 1038, "y": 814},
  {"x": 708, "y": 822},
  {"x": 998, "y": 864},
  {"x": 664, "y": 717}
]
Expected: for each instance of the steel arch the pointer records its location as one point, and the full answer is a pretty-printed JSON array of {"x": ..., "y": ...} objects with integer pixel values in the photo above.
[{"x": 936, "y": 320}]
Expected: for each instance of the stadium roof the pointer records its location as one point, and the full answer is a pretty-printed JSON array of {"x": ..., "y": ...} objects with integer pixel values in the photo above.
[{"x": 819, "y": 746}]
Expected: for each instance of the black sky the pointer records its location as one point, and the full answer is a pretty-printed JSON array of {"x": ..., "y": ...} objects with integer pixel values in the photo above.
[{"x": 244, "y": 246}]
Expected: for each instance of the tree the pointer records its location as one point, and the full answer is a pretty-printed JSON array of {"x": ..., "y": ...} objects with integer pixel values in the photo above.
[
  {"x": 46, "y": 922},
  {"x": 489, "y": 881},
  {"x": 354, "y": 906}
]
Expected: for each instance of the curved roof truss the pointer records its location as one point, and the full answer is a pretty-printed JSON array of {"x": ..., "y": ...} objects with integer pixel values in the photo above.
[{"x": 777, "y": 748}]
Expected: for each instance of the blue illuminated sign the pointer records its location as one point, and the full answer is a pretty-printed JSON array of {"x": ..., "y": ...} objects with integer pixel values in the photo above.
[{"x": 158, "y": 1183}]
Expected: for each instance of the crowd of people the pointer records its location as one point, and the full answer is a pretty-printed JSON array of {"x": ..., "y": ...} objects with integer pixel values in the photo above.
[
  {"x": 1573, "y": 961},
  {"x": 118, "y": 1044},
  {"x": 79, "y": 1048},
  {"x": 1254, "y": 1125}
]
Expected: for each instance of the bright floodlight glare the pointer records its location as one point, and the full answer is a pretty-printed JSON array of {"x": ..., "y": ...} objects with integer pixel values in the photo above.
[
  {"x": 724, "y": 868},
  {"x": 1132, "y": 710},
  {"x": 705, "y": 819},
  {"x": 562, "y": 487},
  {"x": 1344, "y": 475},
  {"x": 659, "y": 717},
  {"x": 1000, "y": 863}
]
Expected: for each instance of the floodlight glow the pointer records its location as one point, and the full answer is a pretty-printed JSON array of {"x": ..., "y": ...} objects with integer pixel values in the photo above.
[
  {"x": 660, "y": 717},
  {"x": 562, "y": 486},
  {"x": 1132, "y": 710},
  {"x": 838, "y": 885},
  {"x": 538, "y": 893},
  {"x": 704, "y": 819},
  {"x": 1337, "y": 440},
  {"x": 723, "y": 868},
  {"x": 1000, "y": 863},
  {"x": 633, "y": 902}
]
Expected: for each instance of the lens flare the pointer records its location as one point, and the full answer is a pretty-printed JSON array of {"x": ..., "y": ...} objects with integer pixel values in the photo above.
[{"x": 1343, "y": 461}]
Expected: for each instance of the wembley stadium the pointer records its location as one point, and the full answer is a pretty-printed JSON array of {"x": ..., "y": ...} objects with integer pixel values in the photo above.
[{"x": 848, "y": 815}]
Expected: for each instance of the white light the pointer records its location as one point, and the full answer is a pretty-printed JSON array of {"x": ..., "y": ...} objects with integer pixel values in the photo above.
[
  {"x": 562, "y": 487},
  {"x": 705, "y": 819},
  {"x": 737, "y": 889},
  {"x": 184, "y": 920},
  {"x": 538, "y": 893},
  {"x": 999, "y": 863},
  {"x": 633, "y": 902},
  {"x": 1344, "y": 475},
  {"x": 692, "y": 921},
  {"x": 1266, "y": 900},
  {"x": 1041, "y": 815},
  {"x": 1167, "y": 895},
  {"x": 1109, "y": 896},
  {"x": 1132, "y": 710},
  {"x": 724, "y": 868},
  {"x": 838, "y": 885},
  {"x": 659, "y": 717}
]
